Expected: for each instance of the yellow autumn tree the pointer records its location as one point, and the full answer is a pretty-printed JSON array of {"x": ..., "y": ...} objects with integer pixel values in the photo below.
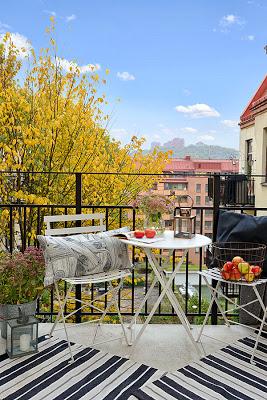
[{"x": 54, "y": 121}]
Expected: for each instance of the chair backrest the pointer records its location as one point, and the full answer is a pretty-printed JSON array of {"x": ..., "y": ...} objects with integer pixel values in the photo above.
[{"x": 51, "y": 231}]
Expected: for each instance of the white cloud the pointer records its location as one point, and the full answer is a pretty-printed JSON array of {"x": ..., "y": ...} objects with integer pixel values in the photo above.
[
  {"x": 189, "y": 129},
  {"x": 20, "y": 42},
  {"x": 121, "y": 134},
  {"x": 71, "y": 17},
  {"x": 250, "y": 38},
  {"x": 125, "y": 76},
  {"x": 199, "y": 110},
  {"x": 71, "y": 65},
  {"x": 231, "y": 19},
  {"x": 230, "y": 123},
  {"x": 4, "y": 27},
  {"x": 206, "y": 138},
  {"x": 52, "y": 13},
  {"x": 187, "y": 92}
]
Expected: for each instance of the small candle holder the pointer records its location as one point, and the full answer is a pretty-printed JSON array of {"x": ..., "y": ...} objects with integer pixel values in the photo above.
[{"x": 22, "y": 336}]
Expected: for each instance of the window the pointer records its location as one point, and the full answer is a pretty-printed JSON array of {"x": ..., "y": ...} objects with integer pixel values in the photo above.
[
  {"x": 249, "y": 159},
  {"x": 208, "y": 212},
  {"x": 198, "y": 199},
  {"x": 198, "y": 226},
  {"x": 198, "y": 187},
  {"x": 207, "y": 200},
  {"x": 208, "y": 225},
  {"x": 198, "y": 212},
  {"x": 175, "y": 186},
  {"x": 207, "y": 188},
  {"x": 264, "y": 160}
]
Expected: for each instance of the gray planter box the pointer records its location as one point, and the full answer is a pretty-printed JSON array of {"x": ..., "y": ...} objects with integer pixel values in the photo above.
[{"x": 8, "y": 311}]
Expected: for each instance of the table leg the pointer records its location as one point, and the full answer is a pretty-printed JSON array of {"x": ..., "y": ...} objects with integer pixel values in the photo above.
[
  {"x": 166, "y": 284},
  {"x": 169, "y": 293},
  {"x": 156, "y": 304}
]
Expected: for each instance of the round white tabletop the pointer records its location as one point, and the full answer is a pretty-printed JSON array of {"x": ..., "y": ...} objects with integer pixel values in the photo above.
[{"x": 169, "y": 242}]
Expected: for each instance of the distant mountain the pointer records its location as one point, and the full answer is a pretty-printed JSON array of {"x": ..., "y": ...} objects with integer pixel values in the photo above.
[{"x": 198, "y": 150}]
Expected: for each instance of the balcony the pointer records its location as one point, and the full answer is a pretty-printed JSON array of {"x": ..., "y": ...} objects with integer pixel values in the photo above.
[{"x": 164, "y": 345}]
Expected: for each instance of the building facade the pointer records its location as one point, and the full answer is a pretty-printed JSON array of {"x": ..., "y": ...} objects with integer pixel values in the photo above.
[
  {"x": 196, "y": 186},
  {"x": 253, "y": 142}
]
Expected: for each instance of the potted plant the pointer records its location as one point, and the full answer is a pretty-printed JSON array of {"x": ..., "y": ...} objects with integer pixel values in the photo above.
[
  {"x": 153, "y": 206},
  {"x": 21, "y": 282}
]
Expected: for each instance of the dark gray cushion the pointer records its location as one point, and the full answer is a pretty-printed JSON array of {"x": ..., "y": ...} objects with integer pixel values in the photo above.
[{"x": 234, "y": 227}]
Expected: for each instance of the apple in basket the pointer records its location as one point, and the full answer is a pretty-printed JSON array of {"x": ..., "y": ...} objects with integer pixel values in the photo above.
[
  {"x": 139, "y": 234},
  {"x": 256, "y": 269},
  {"x": 150, "y": 233},
  {"x": 249, "y": 276},
  {"x": 244, "y": 267},
  {"x": 236, "y": 260},
  {"x": 228, "y": 266},
  {"x": 225, "y": 275},
  {"x": 235, "y": 274}
]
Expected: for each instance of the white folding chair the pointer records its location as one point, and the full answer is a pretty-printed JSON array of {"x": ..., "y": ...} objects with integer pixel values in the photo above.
[{"x": 88, "y": 279}]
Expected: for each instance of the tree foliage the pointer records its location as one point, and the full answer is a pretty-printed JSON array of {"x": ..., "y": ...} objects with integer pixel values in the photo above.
[{"x": 54, "y": 121}]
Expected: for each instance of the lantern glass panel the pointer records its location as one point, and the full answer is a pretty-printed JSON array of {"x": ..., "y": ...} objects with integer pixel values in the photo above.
[
  {"x": 22, "y": 339},
  {"x": 184, "y": 227}
]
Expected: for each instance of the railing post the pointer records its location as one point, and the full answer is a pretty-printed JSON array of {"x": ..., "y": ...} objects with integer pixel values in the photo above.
[
  {"x": 216, "y": 209},
  {"x": 11, "y": 231},
  {"x": 78, "y": 206}
]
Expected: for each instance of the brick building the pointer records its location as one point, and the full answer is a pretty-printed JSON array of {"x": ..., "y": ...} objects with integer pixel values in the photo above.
[{"x": 194, "y": 185}]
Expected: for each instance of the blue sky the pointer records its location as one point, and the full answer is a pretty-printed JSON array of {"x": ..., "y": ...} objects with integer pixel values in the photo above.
[{"x": 180, "y": 69}]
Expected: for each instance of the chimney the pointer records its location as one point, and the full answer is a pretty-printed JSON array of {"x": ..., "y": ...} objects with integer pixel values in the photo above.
[{"x": 187, "y": 158}]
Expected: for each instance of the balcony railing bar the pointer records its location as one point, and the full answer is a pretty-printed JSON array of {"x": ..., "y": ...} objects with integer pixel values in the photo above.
[
  {"x": 174, "y": 173},
  {"x": 78, "y": 207}
]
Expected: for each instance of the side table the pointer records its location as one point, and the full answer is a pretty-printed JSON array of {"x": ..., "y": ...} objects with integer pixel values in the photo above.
[
  {"x": 166, "y": 242},
  {"x": 215, "y": 274}
]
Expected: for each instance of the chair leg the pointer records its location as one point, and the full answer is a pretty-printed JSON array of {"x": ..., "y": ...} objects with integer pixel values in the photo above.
[
  {"x": 61, "y": 308},
  {"x": 121, "y": 322},
  {"x": 264, "y": 308},
  {"x": 59, "y": 312},
  {"x": 114, "y": 294},
  {"x": 115, "y": 303}
]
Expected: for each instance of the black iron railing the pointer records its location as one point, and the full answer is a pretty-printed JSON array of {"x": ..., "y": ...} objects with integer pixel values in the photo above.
[{"x": 117, "y": 216}]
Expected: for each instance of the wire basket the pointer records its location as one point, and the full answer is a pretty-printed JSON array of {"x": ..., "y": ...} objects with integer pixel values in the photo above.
[{"x": 239, "y": 260}]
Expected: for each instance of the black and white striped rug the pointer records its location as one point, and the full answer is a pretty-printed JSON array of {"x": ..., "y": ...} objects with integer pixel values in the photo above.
[
  {"x": 94, "y": 374},
  {"x": 226, "y": 374}
]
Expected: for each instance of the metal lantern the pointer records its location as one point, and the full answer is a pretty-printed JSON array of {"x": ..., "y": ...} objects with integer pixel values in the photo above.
[
  {"x": 22, "y": 336},
  {"x": 184, "y": 222}
]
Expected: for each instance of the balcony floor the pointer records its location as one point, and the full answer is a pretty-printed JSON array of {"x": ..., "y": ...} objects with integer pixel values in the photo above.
[{"x": 162, "y": 346}]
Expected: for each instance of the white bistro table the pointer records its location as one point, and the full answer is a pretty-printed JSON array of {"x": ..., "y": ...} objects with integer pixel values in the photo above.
[{"x": 167, "y": 242}]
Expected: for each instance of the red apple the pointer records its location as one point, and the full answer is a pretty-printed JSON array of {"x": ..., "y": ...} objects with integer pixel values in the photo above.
[
  {"x": 256, "y": 270},
  {"x": 235, "y": 275},
  {"x": 225, "y": 275},
  {"x": 236, "y": 260},
  {"x": 228, "y": 266},
  {"x": 139, "y": 234},
  {"x": 150, "y": 233}
]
